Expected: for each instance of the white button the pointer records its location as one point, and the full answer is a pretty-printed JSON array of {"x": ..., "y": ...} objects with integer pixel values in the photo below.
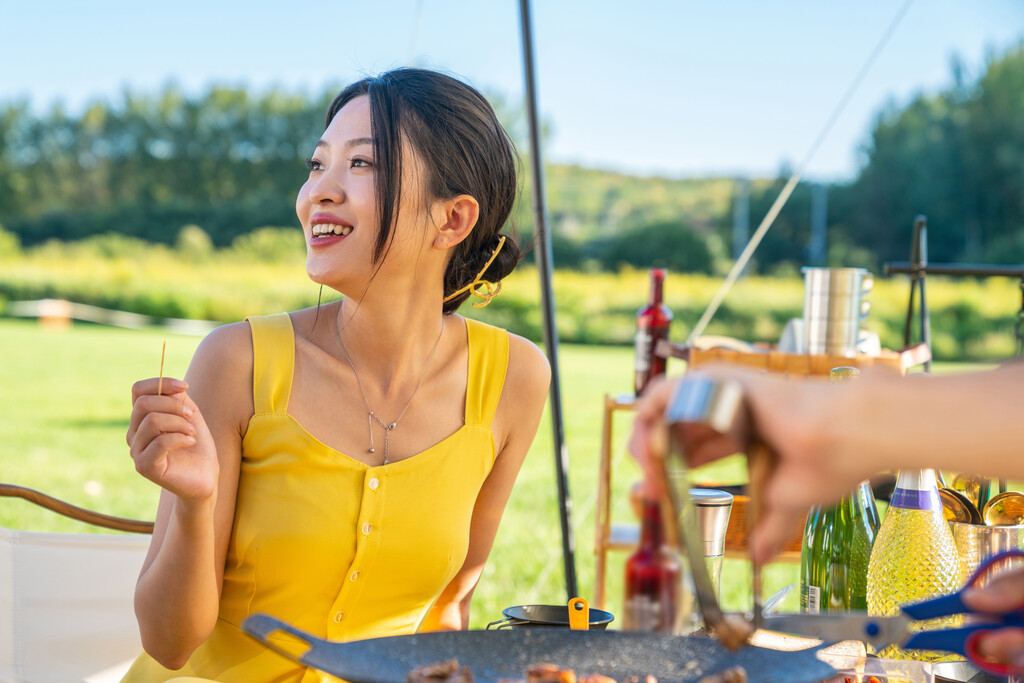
[
  {"x": 338, "y": 617},
  {"x": 373, "y": 484},
  {"x": 366, "y": 529},
  {"x": 354, "y": 576}
]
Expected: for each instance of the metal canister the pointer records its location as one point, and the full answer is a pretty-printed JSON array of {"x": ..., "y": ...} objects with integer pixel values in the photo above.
[{"x": 713, "y": 510}]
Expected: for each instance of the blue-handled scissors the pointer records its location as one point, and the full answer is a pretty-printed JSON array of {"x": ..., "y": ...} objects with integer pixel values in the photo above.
[{"x": 884, "y": 631}]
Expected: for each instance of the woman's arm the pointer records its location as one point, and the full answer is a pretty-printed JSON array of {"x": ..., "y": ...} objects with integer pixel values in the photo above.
[
  {"x": 518, "y": 415},
  {"x": 178, "y": 593}
]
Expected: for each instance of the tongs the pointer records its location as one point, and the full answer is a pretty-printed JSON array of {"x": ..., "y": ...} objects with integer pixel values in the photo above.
[{"x": 712, "y": 415}]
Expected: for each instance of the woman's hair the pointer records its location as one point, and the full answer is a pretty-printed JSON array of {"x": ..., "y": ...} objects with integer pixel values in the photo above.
[{"x": 464, "y": 150}]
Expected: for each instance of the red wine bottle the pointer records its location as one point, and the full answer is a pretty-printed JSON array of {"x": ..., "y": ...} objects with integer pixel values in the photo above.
[
  {"x": 653, "y": 578},
  {"x": 652, "y": 325}
]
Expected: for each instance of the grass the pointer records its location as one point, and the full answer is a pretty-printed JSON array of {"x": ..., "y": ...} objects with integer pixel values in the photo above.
[{"x": 64, "y": 409}]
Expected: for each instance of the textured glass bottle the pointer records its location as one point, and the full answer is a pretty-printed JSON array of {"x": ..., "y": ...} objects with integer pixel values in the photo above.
[
  {"x": 837, "y": 546},
  {"x": 914, "y": 557}
]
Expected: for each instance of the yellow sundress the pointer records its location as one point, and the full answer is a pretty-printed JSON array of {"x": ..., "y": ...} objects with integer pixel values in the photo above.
[{"x": 333, "y": 546}]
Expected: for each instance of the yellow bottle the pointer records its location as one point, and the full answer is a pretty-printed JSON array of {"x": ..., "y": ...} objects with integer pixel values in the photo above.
[{"x": 914, "y": 557}]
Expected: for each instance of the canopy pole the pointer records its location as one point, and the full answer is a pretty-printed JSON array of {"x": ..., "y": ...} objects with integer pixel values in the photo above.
[{"x": 544, "y": 268}]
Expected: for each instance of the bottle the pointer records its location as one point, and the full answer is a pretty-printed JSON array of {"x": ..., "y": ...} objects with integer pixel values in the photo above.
[
  {"x": 914, "y": 557},
  {"x": 653, "y": 578},
  {"x": 837, "y": 546},
  {"x": 652, "y": 325},
  {"x": 835, "y": 553}
]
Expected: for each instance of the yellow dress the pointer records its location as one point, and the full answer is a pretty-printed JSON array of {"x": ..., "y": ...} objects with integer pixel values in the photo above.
[{"x": 333, "y": 546}]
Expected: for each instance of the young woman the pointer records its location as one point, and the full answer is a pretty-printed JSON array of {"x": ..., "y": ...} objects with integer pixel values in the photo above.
[{"x": 344, "y": 468}]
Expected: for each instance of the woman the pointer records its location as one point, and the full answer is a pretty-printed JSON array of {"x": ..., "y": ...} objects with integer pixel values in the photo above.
[{"x": 344, "y": 468}]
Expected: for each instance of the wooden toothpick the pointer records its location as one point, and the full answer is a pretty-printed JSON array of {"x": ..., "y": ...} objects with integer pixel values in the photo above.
[{"x": 160, "y": 382}]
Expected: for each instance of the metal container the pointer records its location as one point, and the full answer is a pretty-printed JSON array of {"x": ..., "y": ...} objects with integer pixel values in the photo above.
[
  {"x": 834, "y": 306},
  {"x": 544, "y": 616},
  {"x": 713, "y": 510},
  {"x": 975, "y": 543}
]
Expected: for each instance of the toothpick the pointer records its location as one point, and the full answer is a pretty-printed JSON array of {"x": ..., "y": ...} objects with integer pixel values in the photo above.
[{"x": 160, "y": 383}]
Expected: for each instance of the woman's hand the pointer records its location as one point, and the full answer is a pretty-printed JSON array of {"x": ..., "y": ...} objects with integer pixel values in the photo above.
[
  {"x": 170, "y": 441},
  {"x": 1005, "y": 594}
]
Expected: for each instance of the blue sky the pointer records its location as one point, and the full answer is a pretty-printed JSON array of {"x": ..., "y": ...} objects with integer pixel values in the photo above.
[{"x": 648, "y": 86}]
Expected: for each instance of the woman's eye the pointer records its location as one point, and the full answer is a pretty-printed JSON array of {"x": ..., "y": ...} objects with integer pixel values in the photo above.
[
  {"x": 359, "y": 162},
  {"x": 314, "y": 165}
]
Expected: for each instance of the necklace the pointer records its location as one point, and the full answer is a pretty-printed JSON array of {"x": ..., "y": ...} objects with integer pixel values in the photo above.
[{"x": 388, "y": 427}]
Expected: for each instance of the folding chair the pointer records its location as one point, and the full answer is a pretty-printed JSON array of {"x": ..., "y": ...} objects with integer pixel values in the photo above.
[{"x": 66, "y": 610}]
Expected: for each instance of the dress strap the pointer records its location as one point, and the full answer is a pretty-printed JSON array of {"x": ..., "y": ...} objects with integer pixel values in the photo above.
[
  {"x": 488, "y": 365},
  {"x": 273, "y": 350}
]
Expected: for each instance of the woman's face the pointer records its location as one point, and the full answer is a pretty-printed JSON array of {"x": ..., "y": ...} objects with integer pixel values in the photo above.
[{"x": 337, "y": 205}]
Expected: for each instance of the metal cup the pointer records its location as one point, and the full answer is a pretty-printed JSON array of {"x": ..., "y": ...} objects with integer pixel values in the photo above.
[
  {"x": 976, "y": 543},
  {"x": 713, "y": 510},
  {"x": 834, "y": 306}
]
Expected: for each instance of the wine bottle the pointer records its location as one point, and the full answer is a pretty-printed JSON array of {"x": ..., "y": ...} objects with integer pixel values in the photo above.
[
  {"x": 837, "y": 546},
  {"x": 653, "y": 578},
  {"x": 914, "y": 557},
  {"x": 652, "y": 325}
]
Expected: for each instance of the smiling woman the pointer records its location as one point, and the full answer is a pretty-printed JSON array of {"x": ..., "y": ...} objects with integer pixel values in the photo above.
[{"x": 344, "y": 468}]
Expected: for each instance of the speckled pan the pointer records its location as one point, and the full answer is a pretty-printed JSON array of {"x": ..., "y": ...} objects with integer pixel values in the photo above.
[{"x": 493, "y": 655}]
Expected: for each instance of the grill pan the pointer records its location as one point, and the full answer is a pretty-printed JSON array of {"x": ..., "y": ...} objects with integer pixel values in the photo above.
[{"x": 496, "y": 654}]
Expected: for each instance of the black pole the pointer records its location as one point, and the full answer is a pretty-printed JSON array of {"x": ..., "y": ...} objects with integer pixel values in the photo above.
[{"x": 544, "y": 261}]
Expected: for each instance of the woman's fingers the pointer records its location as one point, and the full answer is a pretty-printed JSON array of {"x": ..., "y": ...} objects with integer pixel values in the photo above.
[
  {"x": 1005, "y": 593},
  {"x": 146, "y": 387},
  {"x": 148, "y": 404},
  {"x": 1004, "y": 646}
]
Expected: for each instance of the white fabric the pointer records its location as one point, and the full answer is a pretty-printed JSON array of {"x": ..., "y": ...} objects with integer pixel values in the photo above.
[{"x": 66, "y": 610}]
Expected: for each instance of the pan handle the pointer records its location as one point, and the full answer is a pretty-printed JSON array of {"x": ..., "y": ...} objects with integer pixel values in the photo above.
[
  {"x": 261, "y": 626},
  {"x": 500, "y": 624}
]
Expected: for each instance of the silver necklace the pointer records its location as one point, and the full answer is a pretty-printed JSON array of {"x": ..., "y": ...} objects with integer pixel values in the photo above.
[{"x": 388, "y": 427}]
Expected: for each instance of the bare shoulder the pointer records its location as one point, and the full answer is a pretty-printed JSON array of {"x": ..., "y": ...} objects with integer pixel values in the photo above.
[
  {"x": 226, "y": 351},
  {"x": 220, "y": 375},
  {"x": 529, "y": 372}
]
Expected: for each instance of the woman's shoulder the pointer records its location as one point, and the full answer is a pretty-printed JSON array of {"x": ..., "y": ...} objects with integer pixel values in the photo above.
[
  {"x": 226, "y": 351},
  {"x": 528, "y": 368}
]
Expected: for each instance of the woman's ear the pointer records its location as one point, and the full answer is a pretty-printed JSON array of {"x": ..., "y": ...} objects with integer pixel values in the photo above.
[{"x": 457, "y": 219}]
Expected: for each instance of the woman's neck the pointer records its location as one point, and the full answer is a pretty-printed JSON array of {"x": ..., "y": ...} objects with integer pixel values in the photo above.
[{"x": 390, "y": 340}]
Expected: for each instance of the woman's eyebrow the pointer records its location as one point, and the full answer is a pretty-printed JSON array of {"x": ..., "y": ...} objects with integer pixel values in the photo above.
[{"x": 354, "y": 142}]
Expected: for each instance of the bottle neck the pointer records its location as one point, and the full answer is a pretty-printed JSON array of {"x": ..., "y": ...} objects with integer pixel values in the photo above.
[
  {"x": 916, "y": 490},
  {"x": 652, "y": 532},
  {"x": 657, "y": 286}
]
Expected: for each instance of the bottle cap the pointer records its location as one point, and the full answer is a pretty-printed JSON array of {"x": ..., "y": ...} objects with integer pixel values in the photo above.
[{"x": 843, "y": 373}]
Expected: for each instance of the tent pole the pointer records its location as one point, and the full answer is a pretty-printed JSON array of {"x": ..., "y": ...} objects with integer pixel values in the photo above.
[{"x": 544, "y": 268}]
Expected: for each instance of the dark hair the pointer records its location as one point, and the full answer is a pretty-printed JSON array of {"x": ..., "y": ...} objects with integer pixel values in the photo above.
[{"x": 455, "y": 132}]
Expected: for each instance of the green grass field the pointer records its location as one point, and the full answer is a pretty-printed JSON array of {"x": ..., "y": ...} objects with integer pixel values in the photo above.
[{"x": 64, "y": 408}]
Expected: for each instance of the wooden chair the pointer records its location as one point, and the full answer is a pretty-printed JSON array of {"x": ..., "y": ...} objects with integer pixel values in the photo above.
[{"x": 66, "y": 610}]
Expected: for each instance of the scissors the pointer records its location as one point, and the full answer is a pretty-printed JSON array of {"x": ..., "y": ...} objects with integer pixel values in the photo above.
[{"x": 898, "y": 630}]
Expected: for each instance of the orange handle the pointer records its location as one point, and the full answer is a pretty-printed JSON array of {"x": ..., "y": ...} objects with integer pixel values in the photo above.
[{"x": 579, "y": 614}]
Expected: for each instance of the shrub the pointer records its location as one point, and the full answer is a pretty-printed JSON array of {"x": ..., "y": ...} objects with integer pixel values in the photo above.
[{"x": 270, "y": 245}]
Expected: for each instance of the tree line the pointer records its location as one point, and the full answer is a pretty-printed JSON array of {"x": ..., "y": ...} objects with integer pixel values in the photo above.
[{"x": 230, "y": 161}]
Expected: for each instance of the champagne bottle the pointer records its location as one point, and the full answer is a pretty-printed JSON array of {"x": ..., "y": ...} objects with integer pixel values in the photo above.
[
  {"x": 837, "y": 546},
  {"x": 652, "y": 325},
  {"x": 653, "y": 578},
  {"x": 914, "y": 557}
]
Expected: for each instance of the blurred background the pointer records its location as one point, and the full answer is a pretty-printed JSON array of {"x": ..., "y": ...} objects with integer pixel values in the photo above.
[{"x": 150, "y": 156}]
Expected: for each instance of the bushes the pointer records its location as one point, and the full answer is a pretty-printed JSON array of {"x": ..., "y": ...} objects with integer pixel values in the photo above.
[{"x": 970, "y": 319}]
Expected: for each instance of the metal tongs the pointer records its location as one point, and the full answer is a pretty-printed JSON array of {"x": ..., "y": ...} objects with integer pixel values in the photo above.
[{"x": 712, "y": 416}]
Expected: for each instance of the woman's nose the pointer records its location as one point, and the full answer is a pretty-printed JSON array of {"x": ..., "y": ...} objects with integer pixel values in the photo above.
[{"x": 326, "y": 188}]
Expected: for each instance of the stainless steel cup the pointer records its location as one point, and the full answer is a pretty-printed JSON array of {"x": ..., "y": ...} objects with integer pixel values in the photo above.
[
  {"x": 976, "y": 543},
  {"x": 713, "y": 510},
  {"x": 834, "y": 306}
]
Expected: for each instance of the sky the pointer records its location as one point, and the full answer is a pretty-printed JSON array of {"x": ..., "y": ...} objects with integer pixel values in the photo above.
[{"x": 649, "y": 87}]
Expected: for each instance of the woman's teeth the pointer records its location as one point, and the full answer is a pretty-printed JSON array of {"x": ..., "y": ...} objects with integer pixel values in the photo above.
[{"x": 330, "y": 229}]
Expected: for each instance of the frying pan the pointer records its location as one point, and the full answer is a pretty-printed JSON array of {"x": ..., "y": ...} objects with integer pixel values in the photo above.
[
  {"x": 551, "y": 616},
  {"x": 492, "y": 655}
]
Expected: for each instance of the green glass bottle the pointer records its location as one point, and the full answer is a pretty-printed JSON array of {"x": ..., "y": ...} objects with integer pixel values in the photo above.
[{"x": 837, "y": 546}]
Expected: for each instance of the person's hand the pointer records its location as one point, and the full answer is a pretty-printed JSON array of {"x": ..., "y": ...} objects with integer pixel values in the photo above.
[
  {"x": 170, "y": 442},
  {"x": 796, "y": 420},
  {"x": 1004, "y": 594}
]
